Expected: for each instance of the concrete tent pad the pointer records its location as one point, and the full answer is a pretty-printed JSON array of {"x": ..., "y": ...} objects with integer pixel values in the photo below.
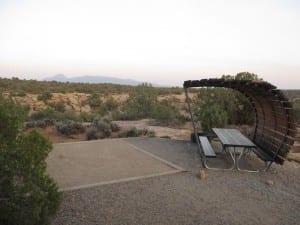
[{"x": 84, "y": 164}]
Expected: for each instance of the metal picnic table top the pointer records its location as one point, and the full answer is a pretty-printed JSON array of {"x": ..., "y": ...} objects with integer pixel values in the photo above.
[{"x": 233, "y": 138}]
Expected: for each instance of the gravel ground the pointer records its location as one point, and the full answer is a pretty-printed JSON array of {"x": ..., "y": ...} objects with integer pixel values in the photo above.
[{"x": 228, "y": 197}]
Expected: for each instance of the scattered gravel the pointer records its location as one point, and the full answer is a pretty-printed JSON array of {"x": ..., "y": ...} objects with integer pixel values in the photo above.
[{"x": 228, "y": 197}]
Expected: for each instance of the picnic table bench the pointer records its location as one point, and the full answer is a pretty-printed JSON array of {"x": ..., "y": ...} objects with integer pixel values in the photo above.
[{"x": 206, "y": 147}]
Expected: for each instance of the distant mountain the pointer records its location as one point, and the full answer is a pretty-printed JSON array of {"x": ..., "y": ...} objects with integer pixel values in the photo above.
[{"x": 92, "y": 79}]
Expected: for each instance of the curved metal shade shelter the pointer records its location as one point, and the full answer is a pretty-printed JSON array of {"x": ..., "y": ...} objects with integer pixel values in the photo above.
[{"x": 275, "y": 126}]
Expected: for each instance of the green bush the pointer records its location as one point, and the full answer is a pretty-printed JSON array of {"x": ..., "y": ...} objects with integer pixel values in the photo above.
[
  {"x": 132, "y": 132},
  {"x": 40, "y": 124},
  {"x": 50, "y": 113},
  {"x": 59, "y": 107},
  {"x": 28, "y": 195},
  {"x": 140, "y": 103},
  {"x": 233, "y": 106},
  {"x": 44, "y": 113},
  {"x": 122, "y": 134},
  {"x": 167, "y": 114},
  {"x": 87, "y": 117},
  {"x": 45, "y": 96},
  {"x": 102, "y": 125},
  {"x": 68, "y": 115},
  {"x": 111, "y": 104},
  {"x": 114, "y": 127},
  {"x": 94, "y": 101},
  {"x": 21, "y": 94},
  {"x": 91, "y": 133},
  {"x": 117, "y": 115},
  {"x": 151, "y": 133},
  {"x": 213, "y": 116},
  {"x": 70, "y": 128}
]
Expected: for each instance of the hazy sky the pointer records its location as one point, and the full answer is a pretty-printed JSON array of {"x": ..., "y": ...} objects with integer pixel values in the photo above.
[{"x": 159, "y": 41}]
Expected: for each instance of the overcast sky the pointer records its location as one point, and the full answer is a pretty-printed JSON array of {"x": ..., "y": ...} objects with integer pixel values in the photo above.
[{"x": 158, "y": 41}]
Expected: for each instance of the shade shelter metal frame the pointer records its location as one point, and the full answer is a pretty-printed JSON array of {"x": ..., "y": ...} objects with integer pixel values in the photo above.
[{"x": 275, "y": 123}]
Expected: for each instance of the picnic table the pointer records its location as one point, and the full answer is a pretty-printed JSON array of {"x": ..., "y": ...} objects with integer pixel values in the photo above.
[
  {"x": 236, "y": 145},
  {"x": 232, "y": 139}
]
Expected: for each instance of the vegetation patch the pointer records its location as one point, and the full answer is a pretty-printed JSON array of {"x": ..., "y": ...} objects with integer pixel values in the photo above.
[
  {"x": 70, "y": 128},
  {"x": 28, "y": 196}
]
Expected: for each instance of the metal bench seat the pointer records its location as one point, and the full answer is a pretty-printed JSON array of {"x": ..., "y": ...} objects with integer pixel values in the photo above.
[
  {"x": 206, "y": 147},
  {"x": 262, "y": 154}
]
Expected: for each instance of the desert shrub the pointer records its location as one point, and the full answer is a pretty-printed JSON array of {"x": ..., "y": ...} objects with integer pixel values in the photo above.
[
  {"x": 122, "y": 134},
  {"x": 167, "y": 114},
  {"x": 140, "y": 103},
  {"x": 94, "y": 101},
  {"x": 87, "y": 117},
  {"x": 105, "y": 108},
  {"x": 40, "y": 124},
  {"x": 30, "y": 124},
  {"x": 102, "y": 125},
  {"x": 43, "y": 113},
  {"x": 50, "y": 113},
  {"x": 28, "y": 195},
  {"x": 59, "y": 107},
  {"x": 143, "y": 132},
  {"x": 91, "y": 133},
  {"x": 102, "y": 110},
  {"x": 132, "y": 132},
  {"x": 111, "y": 104},
  {"x": 21, "y": 93},
  {"x": 114, "y": 127},
  {"x": 233, "y": 107},
  {"x": 45, "y": 96},
  {"x": 106, "y": 119},
  {"x": 213, "y": 116},
  {"x": 116, "y": 115},
  {"x": 49, "y": 122},
  {"x": 70, "y": 128},
  {"x": 151, "y": 133},
  {"x": 227, "y": 105},
  {"x": 68, "y": 115}
]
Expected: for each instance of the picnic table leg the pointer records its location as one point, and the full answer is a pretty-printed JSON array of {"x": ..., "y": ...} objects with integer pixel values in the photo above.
[
  {"x": 245, "y": 150},
  {"x": 215, "y": 168},
  {"x": 232, "y": 155}
]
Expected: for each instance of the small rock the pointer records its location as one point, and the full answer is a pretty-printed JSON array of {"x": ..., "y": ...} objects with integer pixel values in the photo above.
[
  {"x": 202, "y": 175},
  {"x": 270, "y": 182}
]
